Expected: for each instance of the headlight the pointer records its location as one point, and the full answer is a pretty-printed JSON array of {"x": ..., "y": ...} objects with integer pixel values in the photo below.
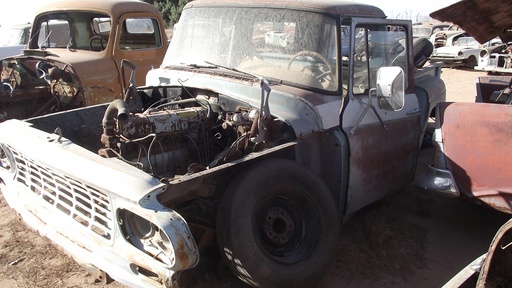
[
  {"x": 7, "y": 162},
  {"x": 147, "y": 237},
  {"x": 460, "y": 54},
  {"x": 483, "y": 53}
]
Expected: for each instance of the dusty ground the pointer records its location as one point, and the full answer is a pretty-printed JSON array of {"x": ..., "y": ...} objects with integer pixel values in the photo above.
[{"x": 408, "y": 239}]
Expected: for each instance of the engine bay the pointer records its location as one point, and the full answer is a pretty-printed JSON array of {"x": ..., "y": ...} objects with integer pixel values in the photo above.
[{"x": 178, "y": 130}]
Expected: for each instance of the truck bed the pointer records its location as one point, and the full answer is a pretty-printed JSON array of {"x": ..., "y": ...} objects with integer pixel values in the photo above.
[{"x": 486, "y": 85}]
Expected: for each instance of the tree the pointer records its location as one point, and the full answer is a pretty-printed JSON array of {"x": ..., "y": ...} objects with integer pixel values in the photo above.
[{"x": 170, "y": 9}]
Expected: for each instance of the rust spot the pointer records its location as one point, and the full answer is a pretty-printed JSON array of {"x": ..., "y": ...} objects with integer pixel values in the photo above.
[
  {"x": 476, "y": 139},
  {"x": 182, "y": 256}
]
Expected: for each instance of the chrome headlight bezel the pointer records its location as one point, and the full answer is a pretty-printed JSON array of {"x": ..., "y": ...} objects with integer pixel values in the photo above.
[
  {"x": 7, "y": 162},
  {"x": 147, "y": 237}
]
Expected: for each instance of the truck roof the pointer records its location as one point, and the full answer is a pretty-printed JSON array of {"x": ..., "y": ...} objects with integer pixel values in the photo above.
[
  {"x": 333, "y": 7},
  {"x": 115, "y": 8}
]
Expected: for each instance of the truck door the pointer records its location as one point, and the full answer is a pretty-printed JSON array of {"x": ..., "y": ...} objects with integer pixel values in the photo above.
[
  {"x": 383, "y": 142},
  {"x": 139, "y": 39}
]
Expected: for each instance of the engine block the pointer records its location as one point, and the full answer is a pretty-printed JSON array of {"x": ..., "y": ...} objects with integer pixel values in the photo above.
[{"x": 163, "y": 122}]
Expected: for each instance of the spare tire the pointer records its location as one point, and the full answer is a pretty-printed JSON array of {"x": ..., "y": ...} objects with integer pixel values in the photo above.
[{"x": 422, "y": 48}]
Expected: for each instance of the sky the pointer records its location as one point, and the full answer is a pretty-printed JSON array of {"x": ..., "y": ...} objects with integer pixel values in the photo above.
[
  {"x": 407, "y": 9},
  {"x": 22, "y": 11}
]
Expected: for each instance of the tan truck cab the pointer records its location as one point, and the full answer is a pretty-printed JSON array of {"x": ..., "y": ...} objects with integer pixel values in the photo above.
[{"x": 75, "y": 53}]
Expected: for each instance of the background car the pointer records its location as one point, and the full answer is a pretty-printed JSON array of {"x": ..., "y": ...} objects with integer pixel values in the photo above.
[
  {"x": 13, "y": 39},
  {"x": 464, "y": 52},
  {"x": 427, "y": 29},
  {"x": 496, "y": 59},
  {"x": 447, "y": 37}
]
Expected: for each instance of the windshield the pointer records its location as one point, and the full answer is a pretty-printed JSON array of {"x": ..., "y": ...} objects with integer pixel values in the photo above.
[
  {"x": 466, "y": 41},
  {"x": 296, "y": 47},
  {"x": 13, "y": 36},
  {"x": 75, "y": 30}
]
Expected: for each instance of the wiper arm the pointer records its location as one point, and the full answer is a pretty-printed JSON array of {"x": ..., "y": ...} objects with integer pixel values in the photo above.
[
  {"x": 235, "y": 70},
  {"x": 195, "y": 65},
  {"x": 70, "y": 43}
]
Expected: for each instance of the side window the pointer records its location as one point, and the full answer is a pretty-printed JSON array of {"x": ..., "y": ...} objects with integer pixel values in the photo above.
[
  {"x": 140, "y": 33},
  {"x": 54, "y": 33},
  {"x": 377, "y": 46},
  {"x": 101, "y": 26}
]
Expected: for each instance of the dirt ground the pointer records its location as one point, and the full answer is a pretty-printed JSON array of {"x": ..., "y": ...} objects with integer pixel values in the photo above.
[{"x": 408, "y": 239}]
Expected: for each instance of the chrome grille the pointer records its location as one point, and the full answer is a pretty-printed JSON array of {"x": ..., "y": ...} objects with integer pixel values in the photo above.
[{"x": 86, "y": 205}]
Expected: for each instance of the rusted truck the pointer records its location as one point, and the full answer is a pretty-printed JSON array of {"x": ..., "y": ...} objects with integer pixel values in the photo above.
[
  {"x": 471, "y": 160},
  {"x": 74, "y": 56},
  {"x": 13, "y": 39},
  {"x": 470, "y": 139},
  {"x": 266, "y": 126}
]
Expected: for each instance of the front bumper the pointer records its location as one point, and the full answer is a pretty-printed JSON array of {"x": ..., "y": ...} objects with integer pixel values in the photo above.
[
  {"x": 438, "y": 181},
  {"x": 135, "y": 240},
  {"x": 449, "y": 60}
]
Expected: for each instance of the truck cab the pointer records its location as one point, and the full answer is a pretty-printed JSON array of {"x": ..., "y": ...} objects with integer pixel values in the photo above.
[{"x": 74, "y": 56}]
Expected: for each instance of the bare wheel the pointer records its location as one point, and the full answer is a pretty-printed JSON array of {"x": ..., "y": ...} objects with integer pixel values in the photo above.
[{"x": 278, "y": 226}]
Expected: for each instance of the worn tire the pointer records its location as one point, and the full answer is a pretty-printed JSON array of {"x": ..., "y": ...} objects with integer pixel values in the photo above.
[
  {"x": 278, "y": 226},
  {"x": 422, "y": 48},
  {"x": 471, "y": 62}
]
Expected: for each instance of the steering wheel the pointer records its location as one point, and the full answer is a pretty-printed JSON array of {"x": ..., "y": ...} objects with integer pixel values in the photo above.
[
  {"x": 324, "y": 74},
  {"x": 93, "y": 38}
]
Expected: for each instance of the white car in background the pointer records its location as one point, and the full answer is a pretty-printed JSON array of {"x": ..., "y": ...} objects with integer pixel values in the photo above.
[
  {"x": 13, "y": 39},
  {"x": 464, "y": 52},
  {"x": 447, "y": 37},
  {"x": 496, "y": 59}
]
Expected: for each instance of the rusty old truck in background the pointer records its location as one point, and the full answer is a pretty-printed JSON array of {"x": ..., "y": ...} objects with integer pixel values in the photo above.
[
  {"x": 75, "y": 53},
  {"x": 471, "y": 142},
  {"x": 265, "y": 127},
  {"x": 471, "y": 139}
]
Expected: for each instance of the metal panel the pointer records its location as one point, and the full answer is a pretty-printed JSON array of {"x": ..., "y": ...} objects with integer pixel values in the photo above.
[
  {"x": 84, "y": 204},
  {"x": 477, "y": 138},
  {"x": 482, "y": 19}
]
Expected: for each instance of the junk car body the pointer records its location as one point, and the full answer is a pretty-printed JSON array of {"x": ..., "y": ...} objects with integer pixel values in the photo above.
[
  {"x": 466, "y": 163},
  {"x": 470, "y": 142},
  {"x": 260, "y": 131},
  {"x": 465, "y": 51},
  {"x": 492, "y": 268},
  {"x": 13, "y": 39},
  {"x": 497, "y": 59},
  {"x": 447, "y": 38},
  {"x": 74, "y": 56},
  {"x": 427, "y": 29},
  {"x": 484, "y": 21}
]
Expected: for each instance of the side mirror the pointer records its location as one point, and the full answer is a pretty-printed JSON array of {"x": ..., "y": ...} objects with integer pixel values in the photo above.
[{"x": 390, "y": 88}]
